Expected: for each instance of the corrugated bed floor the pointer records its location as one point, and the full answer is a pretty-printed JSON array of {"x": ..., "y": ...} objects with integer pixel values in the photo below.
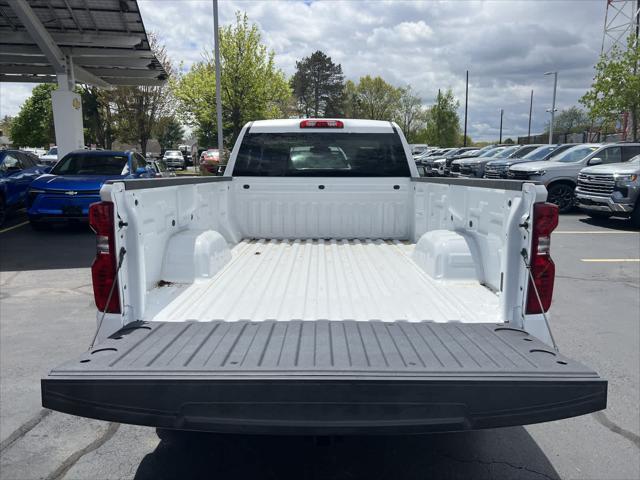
[{"x": 323, "y": 279}]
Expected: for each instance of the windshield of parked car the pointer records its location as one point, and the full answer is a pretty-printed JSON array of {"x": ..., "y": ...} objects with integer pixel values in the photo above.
[
  {"x": 91, "y": 164},
  {"x": 53, "y": 151},
  {"x": 484, "y": 150},
  {"x": 540, "y": 153},
  {"x": 508, "y": 151},
  {"x": 492, "y": 152},
  {"x": 322, "y": 154},
  {"x": 172, "y": 153},
  {"x": 574, "y": 154}
]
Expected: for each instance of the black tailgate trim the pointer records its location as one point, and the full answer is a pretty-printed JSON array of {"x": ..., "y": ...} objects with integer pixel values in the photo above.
[{"x": 292, "y": 377}]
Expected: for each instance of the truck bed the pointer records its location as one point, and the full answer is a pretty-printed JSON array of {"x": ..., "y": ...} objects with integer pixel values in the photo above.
[
  {"x": 323, "y": 378},
  {"x": 323, "y": 279}
]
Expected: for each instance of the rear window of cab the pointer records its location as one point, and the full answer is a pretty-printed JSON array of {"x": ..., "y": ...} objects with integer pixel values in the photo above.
[{"x": 305, "y": 154}]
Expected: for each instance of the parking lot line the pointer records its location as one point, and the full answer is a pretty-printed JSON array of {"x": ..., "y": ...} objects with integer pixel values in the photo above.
[
  {"x": 612, "y": 260},
  {"x": 596, "y": 232},
  {"x": 14, "y": 227}
]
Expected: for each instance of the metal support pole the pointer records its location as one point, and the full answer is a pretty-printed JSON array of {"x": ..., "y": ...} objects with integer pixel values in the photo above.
[
  {"x": 466, "y": 104},
  {"x": 530, "y": 112},
  {"x": 216, "y": 37},
  {"x": 553, "y": 104},
  {"x": 501, "y": 115}
]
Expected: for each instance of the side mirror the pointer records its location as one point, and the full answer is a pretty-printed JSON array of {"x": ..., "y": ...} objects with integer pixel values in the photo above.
[{"x": 595, "y": 161}]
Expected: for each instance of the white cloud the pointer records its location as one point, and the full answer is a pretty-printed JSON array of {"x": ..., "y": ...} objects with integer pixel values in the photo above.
[{"x": 506, "y": 46}]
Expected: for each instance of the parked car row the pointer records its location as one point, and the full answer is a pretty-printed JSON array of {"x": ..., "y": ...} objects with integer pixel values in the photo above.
[
  {"x": 599, "y": 191},
  {"x": 63, "y": 193}
]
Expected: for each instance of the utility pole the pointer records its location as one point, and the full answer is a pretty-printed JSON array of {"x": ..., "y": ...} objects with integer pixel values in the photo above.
[
  {"x": 553, "y": 105},
  {"x": 530, "y": 111},
  {"x": 466, "y": 104},
  {"x": 438, "y": 117},
  {"x": 501, "y": 115},
  {"x": 216, "y": 37}
]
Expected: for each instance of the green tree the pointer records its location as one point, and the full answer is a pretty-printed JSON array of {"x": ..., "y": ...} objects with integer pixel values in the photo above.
[
  {"x": 33, "y": 126},
  {"x": 5, "y": 125},
  {"x": 252, "y": 87},
  {"x": 350, "y": 100},
  {"x": 377, "y": 99},
  {"x": 469, "y": 143},
  {"x": 97, "y": 116},
  {"x": 616, "y": 86},
  {"x": 318, "y": 86},
  {"x": 137, "y": 109},
  {"x": 509, "y": 141},
  {"x": 443, "y": 124},
  {"x": 169, "y": 133},
  {"x": 570, "y": 120},
  {"x": 411, "y": 115}
]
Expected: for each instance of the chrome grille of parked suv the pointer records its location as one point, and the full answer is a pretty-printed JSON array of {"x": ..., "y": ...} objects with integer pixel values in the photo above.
[
  {"x": 518, "y": 175},
  {"x": 491, "y": 171},
  {"x": 600, "y": 184}
]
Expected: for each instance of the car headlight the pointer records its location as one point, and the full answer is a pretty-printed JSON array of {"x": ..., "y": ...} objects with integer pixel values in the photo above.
[
  {"x": 538, "y": 172},
  {"x": 625, "y": 178},
  {"x": 32, "y": 193},
  {"x": 473, "y": 165}
]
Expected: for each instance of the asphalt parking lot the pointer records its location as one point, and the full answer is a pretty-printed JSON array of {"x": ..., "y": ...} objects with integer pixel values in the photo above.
[{"x": 47, "y": 315}]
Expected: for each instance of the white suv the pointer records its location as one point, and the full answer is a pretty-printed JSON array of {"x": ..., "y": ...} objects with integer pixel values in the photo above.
[{"x": 560, "y": 173}]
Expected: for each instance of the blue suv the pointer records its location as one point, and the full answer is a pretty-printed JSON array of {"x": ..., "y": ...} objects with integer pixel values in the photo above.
[
  {"x": 74, "y": 183},
  {"x": 17, "y": 170}
]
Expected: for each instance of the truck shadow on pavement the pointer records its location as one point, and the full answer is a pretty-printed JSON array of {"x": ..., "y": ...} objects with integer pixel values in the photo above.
[
  {"x": 508, "y": 453},
  {"x": 60, "y": 247}
]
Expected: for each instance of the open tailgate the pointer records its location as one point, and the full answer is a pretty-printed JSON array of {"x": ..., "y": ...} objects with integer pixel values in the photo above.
[{"x": 323, "y": 377}]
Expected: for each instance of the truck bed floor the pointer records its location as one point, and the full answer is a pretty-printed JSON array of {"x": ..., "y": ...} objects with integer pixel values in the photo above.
[{"x": 323, "y": 279}]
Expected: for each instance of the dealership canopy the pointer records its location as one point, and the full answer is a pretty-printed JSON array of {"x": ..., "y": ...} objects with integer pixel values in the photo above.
[
  {"x": 94, "y": 42},
  {"x": 98, "y": 42}
]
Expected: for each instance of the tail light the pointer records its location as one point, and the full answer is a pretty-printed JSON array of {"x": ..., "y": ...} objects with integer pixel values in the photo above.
[
  {"x": 321, "y": 124},
  {"x": 104, "y": 266},
  {"x": 543, "y": 270}
]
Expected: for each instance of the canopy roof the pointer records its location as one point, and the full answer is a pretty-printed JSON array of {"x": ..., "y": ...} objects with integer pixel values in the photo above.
[{"x": 99, "y": 42}]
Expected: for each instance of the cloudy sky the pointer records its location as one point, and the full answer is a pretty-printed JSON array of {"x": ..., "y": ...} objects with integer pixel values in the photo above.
[{"x": 506, "y": 46}]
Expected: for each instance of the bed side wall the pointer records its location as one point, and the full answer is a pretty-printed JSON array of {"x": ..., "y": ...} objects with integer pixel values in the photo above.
[{"x": 489, "y": 219}]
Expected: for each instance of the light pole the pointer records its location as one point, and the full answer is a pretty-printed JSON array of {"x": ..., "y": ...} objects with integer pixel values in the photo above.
[
  {"x": 466, "y": 104},
  {"x": 216, "y": 38},
  {"x": 530, "y": 111},
  {"x": 501, "y": 115},
  {"x": 553, "y": 105}
]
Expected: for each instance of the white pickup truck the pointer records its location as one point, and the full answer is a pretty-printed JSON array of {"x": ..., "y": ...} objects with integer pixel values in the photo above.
[{"x": 322, "y": 287}]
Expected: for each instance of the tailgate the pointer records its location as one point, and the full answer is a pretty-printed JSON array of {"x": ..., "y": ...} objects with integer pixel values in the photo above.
[{"x": 323, "y": 377}]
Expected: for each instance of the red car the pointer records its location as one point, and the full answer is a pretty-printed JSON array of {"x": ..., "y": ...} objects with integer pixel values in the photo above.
[{"x": 210, "y": 161}]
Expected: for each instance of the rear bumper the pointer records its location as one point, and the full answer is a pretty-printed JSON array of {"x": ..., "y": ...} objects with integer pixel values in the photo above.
[
  {"x": 175, "y": 162},
  {"x": 168, "y": 377}
]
